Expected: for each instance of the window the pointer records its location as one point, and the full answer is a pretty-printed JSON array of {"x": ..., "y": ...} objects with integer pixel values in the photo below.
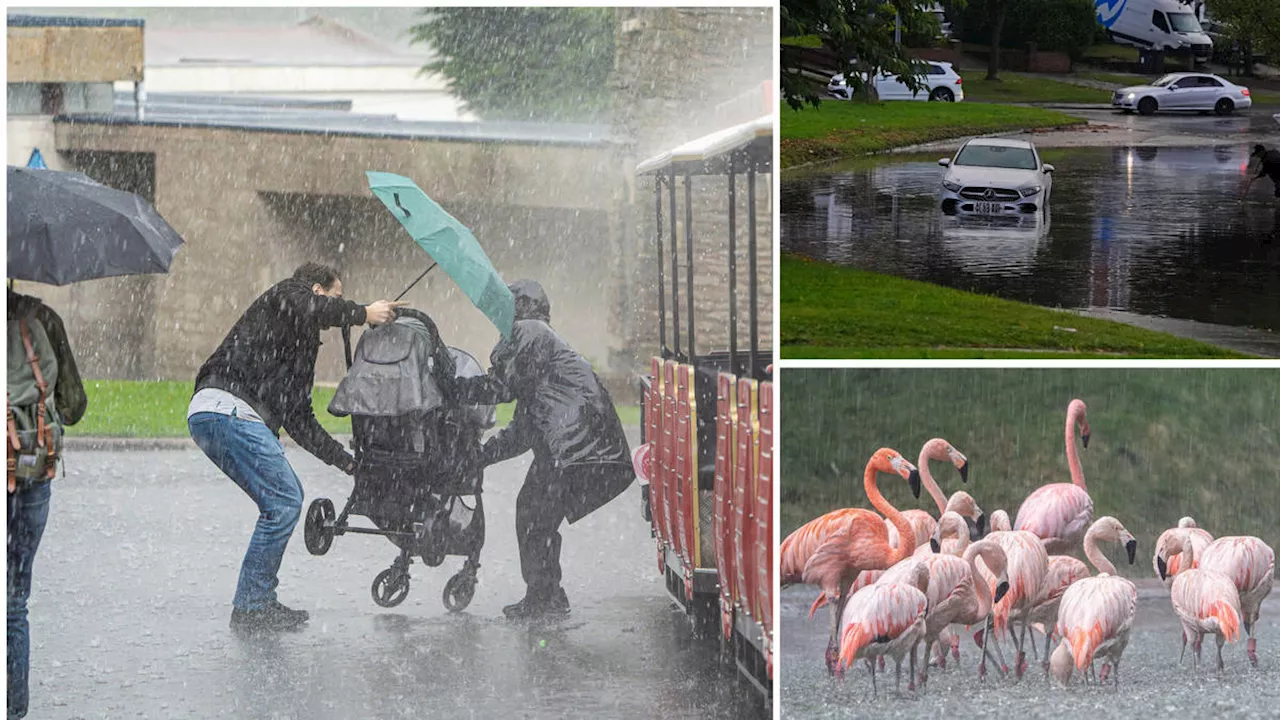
[
  {"x": 1209, "y": 82},
  {"x": 937, "y": 70},
  {"x": 1157, "y": 19},
  {"x": 997, "y": 156},
  {"x": 1184, "y": 22}
]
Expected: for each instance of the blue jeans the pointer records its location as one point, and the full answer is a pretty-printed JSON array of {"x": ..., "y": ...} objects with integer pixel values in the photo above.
[
  {"x": 254, "y": 459},
  {"x": 28, "y": 512}
]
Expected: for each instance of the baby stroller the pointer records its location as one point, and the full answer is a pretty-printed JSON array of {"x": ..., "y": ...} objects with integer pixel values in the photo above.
[{"x": 418, "y": 478}]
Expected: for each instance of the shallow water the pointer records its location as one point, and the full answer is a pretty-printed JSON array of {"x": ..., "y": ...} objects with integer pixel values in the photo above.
[
  {"x": 1152, "y": 685},
  {"x": 1157, "y": 232}
]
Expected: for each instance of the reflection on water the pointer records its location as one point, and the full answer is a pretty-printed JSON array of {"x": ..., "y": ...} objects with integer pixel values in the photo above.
[{"x": 1152, "y": 231}]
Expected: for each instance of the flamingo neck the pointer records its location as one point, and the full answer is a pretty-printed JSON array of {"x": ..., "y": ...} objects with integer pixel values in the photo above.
[
  {"x": 1094, "y": 553},
  {"x": 980, "y": 586},
  {"x": 906, "y": 534},
  {"x": 1073, "y": 455},
  {"x": 957, "y": 530},
  {"x": 1188, "y": 552},
  {"x": 926, "y": 478}
]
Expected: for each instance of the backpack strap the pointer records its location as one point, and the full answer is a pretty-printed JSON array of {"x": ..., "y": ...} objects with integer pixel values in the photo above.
[
  {"x": 43, "y": 431},
  {"x": 12, "y": 448}
]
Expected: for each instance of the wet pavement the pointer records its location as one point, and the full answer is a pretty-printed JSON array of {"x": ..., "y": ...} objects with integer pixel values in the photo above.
[
  {"x": 132, "y": 597},
  {"x": 1151, "y": 682},
  {"x": 1158, "y": 232}
]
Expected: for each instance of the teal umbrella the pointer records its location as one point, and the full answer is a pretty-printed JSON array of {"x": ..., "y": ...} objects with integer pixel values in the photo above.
[{"x": 449, "y": 243}]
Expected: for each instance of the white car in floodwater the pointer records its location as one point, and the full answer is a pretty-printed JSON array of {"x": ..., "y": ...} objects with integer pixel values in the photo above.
[
  {"x": 1183, "y": 92},
  {"x": 939, "y": 83},
  {"x": 995, "y": 176}
]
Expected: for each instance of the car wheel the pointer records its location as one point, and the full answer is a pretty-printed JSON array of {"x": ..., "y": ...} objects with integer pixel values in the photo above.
[
  {"x": 1224, "y": 107},
  {"x": 1146, "y": 106},
  {"x": 942, "y": 95}
]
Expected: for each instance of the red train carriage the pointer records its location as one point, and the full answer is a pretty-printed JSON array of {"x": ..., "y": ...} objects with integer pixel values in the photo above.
[{"x": 707, "y": 447}]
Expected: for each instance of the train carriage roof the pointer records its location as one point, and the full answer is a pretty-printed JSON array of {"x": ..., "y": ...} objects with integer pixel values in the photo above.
[{"x": 710, "y": 154}]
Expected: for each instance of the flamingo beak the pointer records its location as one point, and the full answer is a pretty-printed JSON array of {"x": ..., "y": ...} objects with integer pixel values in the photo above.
[
  {"x": 1164, "y": 569},
  {"x": 914, "y": 481},
  {"x": 934, "y": 545},
  {"x": 982, "y": 526},
  {"x": 964, "y": 472},
  {"x": 1084, "y": 438},
  {"x": 1131, "y": 547},
  {"x": 1001, "y": 589}
]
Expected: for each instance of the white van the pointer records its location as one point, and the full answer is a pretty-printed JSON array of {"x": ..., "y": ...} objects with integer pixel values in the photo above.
[{"x": 1162, "y": 25}]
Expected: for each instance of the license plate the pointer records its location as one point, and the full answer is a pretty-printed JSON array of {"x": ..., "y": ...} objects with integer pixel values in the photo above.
[{"x": 987, "y": 208}]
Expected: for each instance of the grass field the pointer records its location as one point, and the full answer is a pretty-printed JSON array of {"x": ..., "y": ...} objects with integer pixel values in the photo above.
[
  {"x": 121, "y": 408},
  {"x": 1165, "y": 442},
  {"x": 1018, "y": 88},
  {"x": 830, "y": 311},
  {"x": 839, "y": 129}
]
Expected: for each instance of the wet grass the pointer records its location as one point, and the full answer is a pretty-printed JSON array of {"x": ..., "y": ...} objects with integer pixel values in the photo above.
[
  {"x": 829, "y": 311},
  {"x": 838, "y": 129},
  {"x": 133, "y": 409},
  {"x": 1165, "y": 442},
  {"x": 1018, "y": 88}
]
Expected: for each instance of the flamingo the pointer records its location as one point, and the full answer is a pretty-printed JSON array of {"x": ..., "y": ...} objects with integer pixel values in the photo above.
[
  {"x": 960, "y": 502},
  {"x": 887, "y": 619},
  {"x": 1065, "y": 571},
  {"x": 1251, "y": 565},
  {"x": 1096, "y": 613},
  {"x": 1178, "y": 561},
  {"x": 1000, "y": 521},
  {"x": 1205, "y": 601},
  {"x": 1028, "y": 564},
  {"x": 1059, "y": 513},
  {"x": 955, "y": 592},
  {"x": 831, "y": 550}
]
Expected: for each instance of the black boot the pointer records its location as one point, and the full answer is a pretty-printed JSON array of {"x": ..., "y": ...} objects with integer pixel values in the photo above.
[
  {"x": 274, "y": 616},
  {"x": 539, "y": 604}
]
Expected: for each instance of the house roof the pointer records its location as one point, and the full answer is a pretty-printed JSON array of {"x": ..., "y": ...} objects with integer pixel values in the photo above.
[{"x": 318, "y": 41}]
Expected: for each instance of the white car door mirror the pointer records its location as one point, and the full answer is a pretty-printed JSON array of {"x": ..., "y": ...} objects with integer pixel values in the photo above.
[
  {"x": 1048, "y": 168},
  {"x": 945, "y": 162}
]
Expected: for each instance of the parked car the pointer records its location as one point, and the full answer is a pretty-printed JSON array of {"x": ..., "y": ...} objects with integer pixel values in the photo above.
[
  {"x": 940, "y": 82},
  {"x": 1180, "y": 92},
  {"x": 994, "y": 176}
]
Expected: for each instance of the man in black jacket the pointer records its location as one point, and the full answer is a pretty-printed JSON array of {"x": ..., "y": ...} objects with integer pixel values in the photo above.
[
  {"x": 257, "y": 381},
  {"x": 1268, "y": 165},
  {"x": 565, "y": 416}
]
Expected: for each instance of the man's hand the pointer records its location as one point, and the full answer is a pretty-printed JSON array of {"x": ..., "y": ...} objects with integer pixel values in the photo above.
[{"x": 383, "y": 311}]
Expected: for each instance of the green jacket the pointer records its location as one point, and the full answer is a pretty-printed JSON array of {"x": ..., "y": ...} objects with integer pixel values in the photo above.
[{"x": 69, "y": 396}]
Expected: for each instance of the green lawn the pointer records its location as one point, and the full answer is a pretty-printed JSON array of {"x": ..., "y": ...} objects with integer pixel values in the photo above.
[
  {"x": 829, "y": 311},
  {"x": 122, "y": 408},
  {"x": 1018, "y": 88},
  {"x": 1164, "y": 442},
  {"x": 837, "y": 128}
]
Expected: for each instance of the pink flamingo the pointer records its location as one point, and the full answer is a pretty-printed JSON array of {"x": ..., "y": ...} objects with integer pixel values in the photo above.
[
  {"x": 1000, "y": 521},
  {"x": 1205, "y": 601},
  {"x": 1028, "y": 564},
  {"x": 1175, "y": 563},
  {"x": 1095, "y": 613},
  {"x": 960, "y": 502},
  {"x": 1059, "y": 513},
  {"x": 1251, "y": 565},
  {"x": 955, "y": 592},
  {"x": 1065, "y": 570},
  {"x": 887, "y": 619},
  {"x": 834, "y": 548}
]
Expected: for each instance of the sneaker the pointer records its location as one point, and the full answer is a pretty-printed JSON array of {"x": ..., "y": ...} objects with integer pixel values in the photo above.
[{"x": 274, "y": 616}]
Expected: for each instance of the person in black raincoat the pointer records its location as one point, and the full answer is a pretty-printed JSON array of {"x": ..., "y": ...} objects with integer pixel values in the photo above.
[
  {"x": 1268, "y": 166},
  {"x": 564, "y": 414}
]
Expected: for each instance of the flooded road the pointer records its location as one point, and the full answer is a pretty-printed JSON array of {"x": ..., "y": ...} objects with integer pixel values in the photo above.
[
  {"x": 132, "y": 597},
  {"x": 1151, "y": 683},
  {"x": 1148, "y": 231}
]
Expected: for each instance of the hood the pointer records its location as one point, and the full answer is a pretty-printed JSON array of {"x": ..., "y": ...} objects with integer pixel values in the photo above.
[
  {"x": 20, "y": 305},
  {"x": 992, "y": 177},
  {"x": 531, "y": 301},
  {"x": 1137, "y": 89}
]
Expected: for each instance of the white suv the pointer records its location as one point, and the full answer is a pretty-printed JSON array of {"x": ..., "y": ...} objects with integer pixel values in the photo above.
[
  {"x": 940, "y": 83},
  {"x": 995, "y": 176}
]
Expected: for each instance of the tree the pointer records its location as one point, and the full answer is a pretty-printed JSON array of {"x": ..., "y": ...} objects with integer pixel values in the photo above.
[
  {"x": 860, "y": 34},
  {"x": 1253, "y": 24},
  {"x": 529, "y": 63}
]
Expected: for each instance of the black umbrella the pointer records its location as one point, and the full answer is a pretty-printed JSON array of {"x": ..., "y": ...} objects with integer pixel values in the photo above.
[{"x": 64, "y": 227}]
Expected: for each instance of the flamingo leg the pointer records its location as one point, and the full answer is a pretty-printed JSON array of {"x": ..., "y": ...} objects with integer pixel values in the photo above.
[
  {"x": 955, "y": 649},
  {"x": 1116, "y": 669},
  {"x": 1021, "y": 662},
  {"x": 1004, "y": 666},
  {"x": 1199, "y": 639},
  {"x": 1047, "y": 638},
  {"x": 1184, "y": 647},
  {"x": 1253, "y": 644},
  {"x": 1221, "y": 665},
  {"x": 897, "y": 677},
  {"x": 924, "y": 666},
  {"x": 1035, "y": 652},
  {"x": 911, "y": 683},
  {"x": 833, "y": 645},
  {"x": 871, "y": 663}
]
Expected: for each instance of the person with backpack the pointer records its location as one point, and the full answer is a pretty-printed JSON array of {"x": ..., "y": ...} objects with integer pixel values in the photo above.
[
  {"x": 564, "y": 414},
  {"x": 43, "y": 394},
  {"x": 256, "y": 382}
]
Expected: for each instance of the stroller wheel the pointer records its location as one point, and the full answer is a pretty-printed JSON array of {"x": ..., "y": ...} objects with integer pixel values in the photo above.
[
  {"x": 459, "y": 591},
  {"x": 391, "y": 587},
  {"x": 318, "y": 530}
]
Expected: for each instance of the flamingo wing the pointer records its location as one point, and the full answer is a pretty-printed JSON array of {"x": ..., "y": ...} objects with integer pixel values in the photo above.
[
  {"x": 879, "y": 614},
  {"x": 1249, "y": 562},
  {"x": 1058, "y": 510},
  {"x": 858, "y": 546},
  {"x": 794, "y": 552},
  {"x": 1093, "y": 611},
  {"x": 1064, "y": 570}
]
